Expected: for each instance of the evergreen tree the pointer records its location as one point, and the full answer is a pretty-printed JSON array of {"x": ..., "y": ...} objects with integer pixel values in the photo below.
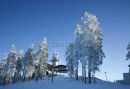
[
  {"x": 19, "y": 72},
  {"x": 3, "y": 66},
  {"x": 4, "y": 59},
  {"x": 42, "y": 58},
  {"x": 11, "y": 63},
  {"x": 28, "y": 61}
]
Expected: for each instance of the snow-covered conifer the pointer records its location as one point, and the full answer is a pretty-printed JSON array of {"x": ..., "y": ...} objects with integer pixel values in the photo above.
[
  {"x": 28, "y": 61},
  {"x": 19, "y": 71},
  {"x": 12, "y": 62},
  {"x": 42, "y": 57},
  {"x": 3, "y": 65}
]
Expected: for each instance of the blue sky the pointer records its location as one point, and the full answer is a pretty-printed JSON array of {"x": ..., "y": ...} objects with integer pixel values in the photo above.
[{"x": 23, "y": 22}]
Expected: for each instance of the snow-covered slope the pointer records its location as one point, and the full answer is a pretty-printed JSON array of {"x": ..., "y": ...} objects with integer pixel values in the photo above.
[{"x": 64, "y": 83}]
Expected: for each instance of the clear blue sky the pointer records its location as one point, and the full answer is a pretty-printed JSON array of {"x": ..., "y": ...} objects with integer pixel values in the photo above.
[{"x": 23, "y": 22}]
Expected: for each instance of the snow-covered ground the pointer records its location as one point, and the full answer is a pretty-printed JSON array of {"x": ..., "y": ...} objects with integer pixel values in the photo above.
[{"x": 61, "y": 82}]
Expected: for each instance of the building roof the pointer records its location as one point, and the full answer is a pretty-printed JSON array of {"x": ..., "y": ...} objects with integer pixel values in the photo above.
[{"x": 60, "y": 66}]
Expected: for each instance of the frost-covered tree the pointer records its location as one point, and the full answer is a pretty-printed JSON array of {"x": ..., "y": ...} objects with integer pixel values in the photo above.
[
  {"x": 42, "y": 57},
  {"x": 28, "y": 61},
  {"x": 80, "y": 49},
  {"x": 79, "y": 55},
  {"x": 88, "y": 45},
  {"x": 12, "y": 62},
  {"x": 92, "y": 43},
  {"x": 19, "y": 71},
  {"x": 70, "y": 53},
  {"x": 3, "y": 66},
  {"x": 4, "y": 59}
]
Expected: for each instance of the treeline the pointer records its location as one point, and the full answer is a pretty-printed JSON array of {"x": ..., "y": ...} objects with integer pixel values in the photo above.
[{"x": 20, "y": 66}]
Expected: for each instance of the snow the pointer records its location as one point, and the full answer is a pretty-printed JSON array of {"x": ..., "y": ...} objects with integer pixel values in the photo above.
[{"x": 61, "y": 82}]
